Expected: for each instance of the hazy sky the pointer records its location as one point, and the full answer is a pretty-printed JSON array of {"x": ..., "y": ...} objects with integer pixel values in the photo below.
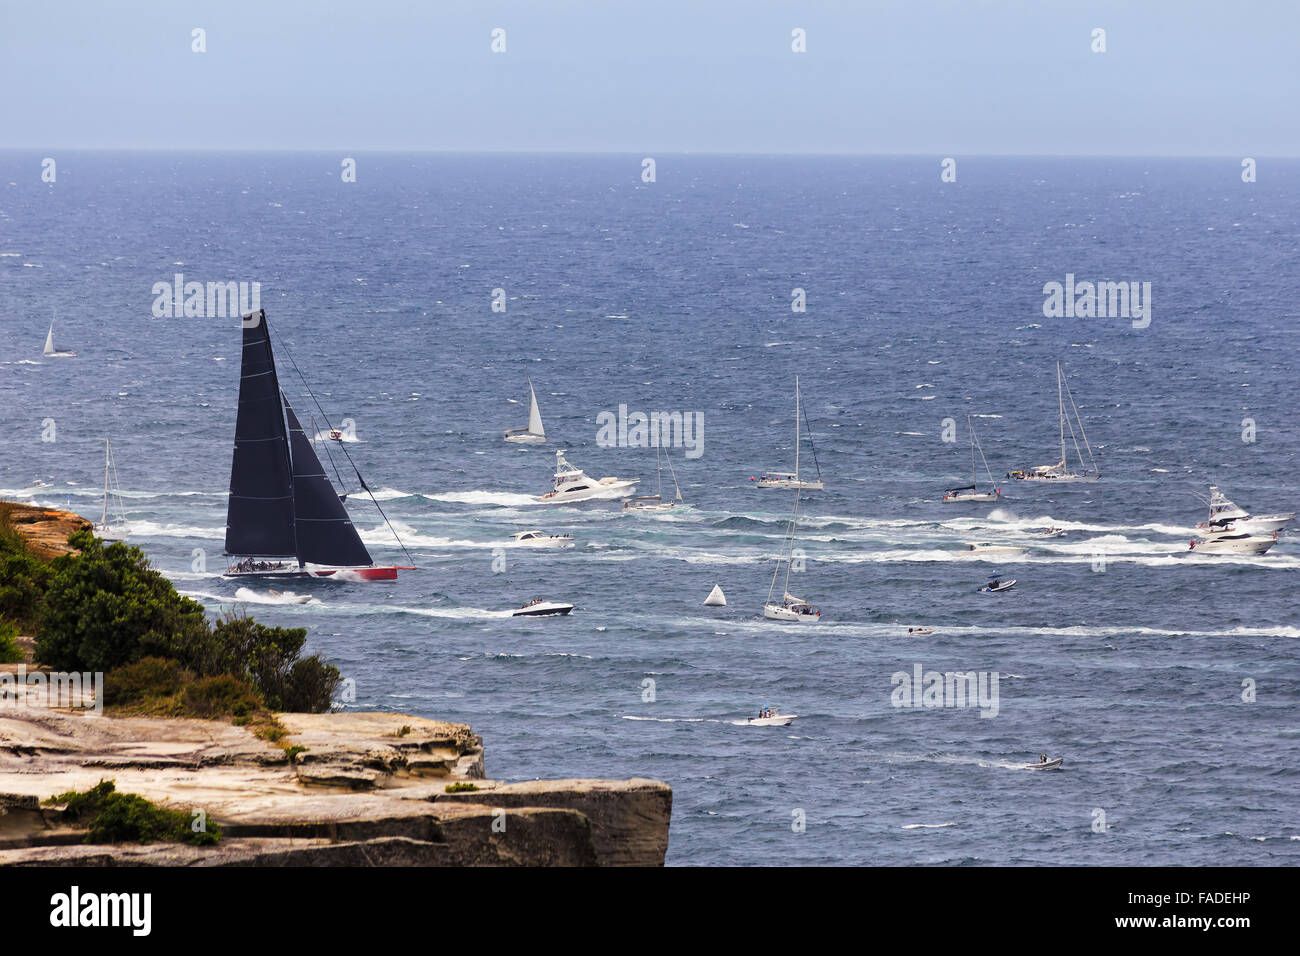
[{"x": 1178, "y": 77}]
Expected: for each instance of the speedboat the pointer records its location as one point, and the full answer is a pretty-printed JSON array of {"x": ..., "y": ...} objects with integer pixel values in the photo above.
[
  {"x": 289, "y": 597},
  {"x": 767, "y": 717},
  {"x": 1239, "y": 543},
  {"x": 1005, "y": 550},
  {"x": 920, "y": 631},
  {"x": 535, "y": 539},
  {"x": 1043, "y": 764},
  {"x": 1226, "y": 517},
  {"x": 539, "y": 608},
  {"x": 571, "y": 484},
  {"x": 996, "y": 585},
  {"x": 1051, "y": 533}
]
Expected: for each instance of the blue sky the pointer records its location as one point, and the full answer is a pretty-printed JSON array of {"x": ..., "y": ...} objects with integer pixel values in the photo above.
[{"x": 880, "y": 76}]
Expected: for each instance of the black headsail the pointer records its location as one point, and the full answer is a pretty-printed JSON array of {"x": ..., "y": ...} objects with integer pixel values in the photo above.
[
  {"x": 325, "y": 532},
  {"x": 260, "y": 512}
]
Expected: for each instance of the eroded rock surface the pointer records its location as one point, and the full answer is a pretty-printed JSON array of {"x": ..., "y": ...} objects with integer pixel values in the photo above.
[{"x": 369, "y": 789}]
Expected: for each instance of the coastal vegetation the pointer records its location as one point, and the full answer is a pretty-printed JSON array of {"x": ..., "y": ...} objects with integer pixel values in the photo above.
[
  {"x": 103, "y": 608},
  {"x": 112, "y": 817}
]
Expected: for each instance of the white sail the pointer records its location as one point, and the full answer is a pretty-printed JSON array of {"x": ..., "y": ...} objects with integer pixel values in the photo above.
[
  {"x": 49, "y": 341},
  {"x": 716, "y": 598},
  {"x": 534, "y": 416}
]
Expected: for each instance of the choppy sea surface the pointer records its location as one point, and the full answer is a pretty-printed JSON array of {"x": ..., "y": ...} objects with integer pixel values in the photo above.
[{"x": 1133, "y": 658}]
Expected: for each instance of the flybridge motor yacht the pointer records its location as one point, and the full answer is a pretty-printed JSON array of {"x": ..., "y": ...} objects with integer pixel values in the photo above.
[
  {"x": 1240, "y": 543},
  {"x": 533, "y": 433},
  {"x": 535, "y": 539},
  {"x": 656, "y": 502},
  {"x": 571, "y": 484},
  {"x": 791, "y": 479},
  {"x": 971, "y": 492},
  {"x": 283, "y": 513},
  {"x": 1060, "y": 472},
  {"x": 1226, "y": 517}
]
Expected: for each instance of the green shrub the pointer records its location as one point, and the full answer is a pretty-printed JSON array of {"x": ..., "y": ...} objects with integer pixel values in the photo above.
[
  {"x": 219, "y": 696},
  {"x": 113, "y": 817},
  {"x": 23, "y": 576},
  {"x": 106, "y": 607},
  {"x": 147, "y": 678},
  {"x": 10, "y": 652},
  {"x": 460, "y": 787}
]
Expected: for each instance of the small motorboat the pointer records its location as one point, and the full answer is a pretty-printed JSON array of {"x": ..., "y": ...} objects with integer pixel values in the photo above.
[
  {"x": 536, "y": 539},
  {"x": 1051, "y": 532},
  {"x": 1003, "y": 550},
  {"x": 289, "y": 597},
  {"x": 920, "y": 631},
  {"x": 996, "y": 585},
  {"x": 539, "y": 608},
  {"x": 767, "y": 717},
  {"x": 1043, "y": 764}
]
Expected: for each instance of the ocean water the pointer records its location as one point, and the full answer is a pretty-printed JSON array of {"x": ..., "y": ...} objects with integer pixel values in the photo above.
[{"x": 1118, "y": 650}]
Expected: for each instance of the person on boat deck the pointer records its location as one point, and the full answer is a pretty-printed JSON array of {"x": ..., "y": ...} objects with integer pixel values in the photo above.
[{"x": 1042, "y": 758}]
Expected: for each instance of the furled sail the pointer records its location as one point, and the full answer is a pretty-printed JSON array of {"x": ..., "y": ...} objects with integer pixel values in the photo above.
[
  {"x": 260, "y": 512},
  {"x": 324, "y": 531}
]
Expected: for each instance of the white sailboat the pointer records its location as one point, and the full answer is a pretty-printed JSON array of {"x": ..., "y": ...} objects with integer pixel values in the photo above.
[
  {"x": 787, "y": 479},
  {"x": 533, "y": 433},
  {"x": 50, "y": 351},
  {"x": 1226, "y": 517},
  {"x": 972, "y": 492},
  {"x": 106, "y": 528},
  {"x": 790, "y": 608},
  {"x": 656, "y": 502},
  {"x": 1059, "y": 472}
]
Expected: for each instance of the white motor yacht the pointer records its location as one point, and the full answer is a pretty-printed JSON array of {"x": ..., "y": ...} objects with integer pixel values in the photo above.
[{"x": 571, "y": 484}]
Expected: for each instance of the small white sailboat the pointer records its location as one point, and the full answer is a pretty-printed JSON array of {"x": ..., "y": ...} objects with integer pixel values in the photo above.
[
  {"x": 533, "y": 433},
  {"x": 716, "y": 598},
  {"x": 50, "y": 351},
  {"x": 571, "y": 484},
  {"x": 112, "y": 520},
  {"x": 536, "y": 539},
  {"x": 1059, "y": 472},
  {"x": 790, "y": 608},
  {"x": 971, "y": 492},
  {"x": 1226, "y": 517},
  {"x": 792, "y": 479},
  {"x": 656, "y": 502}
]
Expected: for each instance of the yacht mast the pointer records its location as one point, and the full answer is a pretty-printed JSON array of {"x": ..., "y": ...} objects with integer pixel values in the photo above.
[
  {"x": 796, "y": 428},
  {"x": 1060, "y": 400}
]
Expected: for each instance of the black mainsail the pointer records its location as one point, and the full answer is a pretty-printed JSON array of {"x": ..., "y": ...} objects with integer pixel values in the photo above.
[
  {"x": 259, "y": 515},
  {"x": 281, "y": 504}
]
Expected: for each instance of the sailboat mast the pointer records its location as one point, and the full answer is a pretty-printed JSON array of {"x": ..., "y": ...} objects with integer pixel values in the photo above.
[
  {"x": 789, "y": 558},
  {"x": 796, "y": 428},
  {"x": 1060, "y": 401},
  {"x": 973, "y": 474},
  {"x": 103, "y": 520}
]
